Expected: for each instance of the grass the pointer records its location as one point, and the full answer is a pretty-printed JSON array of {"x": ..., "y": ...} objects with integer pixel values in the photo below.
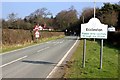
[
  {"x": 6, "y": 48},
  {"x": 91, "y": 70}
]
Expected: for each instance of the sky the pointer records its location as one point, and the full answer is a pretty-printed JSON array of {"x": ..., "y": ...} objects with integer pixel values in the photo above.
[{"x": 23, "y": 9}]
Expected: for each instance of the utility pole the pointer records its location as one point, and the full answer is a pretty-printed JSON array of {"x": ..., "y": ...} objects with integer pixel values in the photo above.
[
  {"x": 94, "y": 7},
  {"x": 101, "y": 48},
  {"x": 94, "y": 12}
]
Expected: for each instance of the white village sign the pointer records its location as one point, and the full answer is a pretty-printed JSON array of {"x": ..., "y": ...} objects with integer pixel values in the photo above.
[{"x": 94, "y": 29}]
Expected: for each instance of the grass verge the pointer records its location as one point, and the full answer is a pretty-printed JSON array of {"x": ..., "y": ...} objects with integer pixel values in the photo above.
[
  {"x": 6, "y": 48},
  {"x": 91, "y": 70}
]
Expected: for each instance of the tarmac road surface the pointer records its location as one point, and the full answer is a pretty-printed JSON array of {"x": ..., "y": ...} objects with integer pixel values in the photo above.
[{"x": 36, "y": 61}]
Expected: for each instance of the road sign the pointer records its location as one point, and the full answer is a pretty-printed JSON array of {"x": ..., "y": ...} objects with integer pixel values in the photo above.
[
  {"x": 111, "y": 29},
  {"x": 94, "y": 29},
  {"x": 37, "y": 34}
]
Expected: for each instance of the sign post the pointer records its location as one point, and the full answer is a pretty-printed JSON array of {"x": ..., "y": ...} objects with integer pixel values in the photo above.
[
  {"x": 84, "y": 52},
  {"x": 101, "y": 53}
]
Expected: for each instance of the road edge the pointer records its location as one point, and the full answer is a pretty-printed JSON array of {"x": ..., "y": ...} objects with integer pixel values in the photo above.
[{"x": 50, "y": 75}]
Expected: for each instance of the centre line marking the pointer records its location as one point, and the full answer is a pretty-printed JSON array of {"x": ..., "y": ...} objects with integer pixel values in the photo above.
[
  {"x": 13, "y": 61},
  {"x": 43, "y": 49},
  {"x": 62, "y": 41}
]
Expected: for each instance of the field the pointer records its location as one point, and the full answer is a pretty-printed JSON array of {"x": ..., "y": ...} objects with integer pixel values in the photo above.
[
  {"x": 92, "y": 62},
  {"x": 6, "y": 48}
]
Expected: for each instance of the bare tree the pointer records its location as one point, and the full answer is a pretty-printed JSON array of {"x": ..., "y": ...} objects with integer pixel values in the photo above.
[
  {"x": 119, "y": 3},
  {"x": 12, "y": 17},
  {"x": 66, "y": 18}
]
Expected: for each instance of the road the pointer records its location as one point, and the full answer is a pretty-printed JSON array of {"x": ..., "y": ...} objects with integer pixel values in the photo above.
[{"x": 36, "y": 61}]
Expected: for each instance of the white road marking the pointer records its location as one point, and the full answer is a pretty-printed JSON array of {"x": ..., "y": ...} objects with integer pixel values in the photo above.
[
  {"x": 13, "y": 61},
  {"x": 59, "y": 42},
  {"x": 62, "y": 41},
  {"x": 60, "y": 62},
  {"x": 43, "y": 49},
  {"x": 56, "y": 44}
]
